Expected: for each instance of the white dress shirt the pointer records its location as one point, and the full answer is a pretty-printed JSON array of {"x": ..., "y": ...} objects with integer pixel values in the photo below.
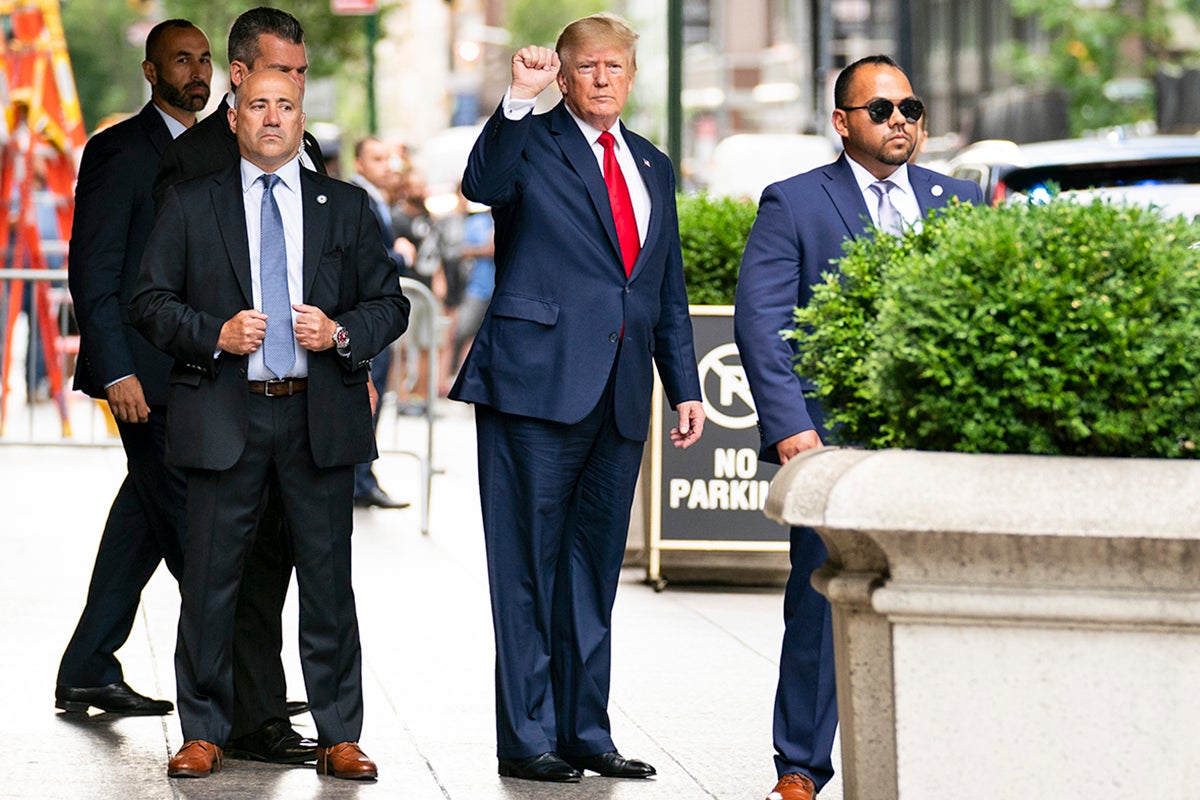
[
  {"x": 291, "y": 209},
  {"x": 903, "y": 197}
]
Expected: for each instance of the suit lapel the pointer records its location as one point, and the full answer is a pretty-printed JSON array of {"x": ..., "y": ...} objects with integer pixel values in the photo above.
[
  {"x": 929, "y": 191},
  {"x": 316, "y": 221},
  {"x": 844, "y": 193},
  {"x": 579, "y": 155},
  {"x": 156, "y": 129},
  {"x": 229, "y": 210}
]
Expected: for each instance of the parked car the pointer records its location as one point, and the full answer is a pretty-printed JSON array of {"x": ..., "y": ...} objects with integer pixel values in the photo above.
[
  {"x": 1004, "y": 168},
  {"x": 744, "y": 164}
]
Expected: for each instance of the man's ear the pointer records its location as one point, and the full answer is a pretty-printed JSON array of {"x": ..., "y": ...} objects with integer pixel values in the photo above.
[
  {"x": 839, "y": 123},
  {"x": 150, "y": 71},
  {"x": 233, "y": 119},
  {"x": 237, "y": 72}
]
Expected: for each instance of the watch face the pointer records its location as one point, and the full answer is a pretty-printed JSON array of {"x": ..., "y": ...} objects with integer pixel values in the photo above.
[{"x": 341, "y": 336}]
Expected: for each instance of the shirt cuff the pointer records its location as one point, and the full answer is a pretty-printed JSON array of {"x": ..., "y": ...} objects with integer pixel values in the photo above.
[{"x": 516, "y": 108}]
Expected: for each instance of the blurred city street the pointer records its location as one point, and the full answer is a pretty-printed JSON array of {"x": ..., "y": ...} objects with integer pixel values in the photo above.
[{"x": 693, "y": 680}]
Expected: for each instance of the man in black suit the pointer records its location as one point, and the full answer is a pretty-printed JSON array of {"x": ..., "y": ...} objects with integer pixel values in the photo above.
[
  {"x": 261, "y": 38},
  {"x": 113, "y": 217},
  {"x": 270, "y": 287}
]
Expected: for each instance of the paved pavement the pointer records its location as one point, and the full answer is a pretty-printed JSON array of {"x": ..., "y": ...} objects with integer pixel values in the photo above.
[{"x": 693, "y": 674}]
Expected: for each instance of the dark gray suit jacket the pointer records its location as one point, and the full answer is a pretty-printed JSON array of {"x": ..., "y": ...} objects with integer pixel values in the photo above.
[
  {"x": 114, "y": 213},
  {"x": 196, "y": 275}
]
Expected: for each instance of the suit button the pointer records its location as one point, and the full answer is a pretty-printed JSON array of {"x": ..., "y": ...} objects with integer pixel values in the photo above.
[
  {"x": 612, "y": 337},
  {"x": 627, "y": 290}
]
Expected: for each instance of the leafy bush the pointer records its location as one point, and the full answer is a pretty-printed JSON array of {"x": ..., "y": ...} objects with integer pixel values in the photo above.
[
  {"x": 1059, "y": 328},
  {"x": 713, "y": 232}
]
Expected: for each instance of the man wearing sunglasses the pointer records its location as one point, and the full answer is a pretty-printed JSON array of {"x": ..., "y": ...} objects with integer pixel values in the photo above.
[{"x": 798, "y": 234}]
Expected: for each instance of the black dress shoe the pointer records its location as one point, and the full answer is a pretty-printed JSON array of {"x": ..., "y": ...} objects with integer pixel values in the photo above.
[
  {"x": 274, "y": 742},
  {"x": 295, "y": 707},
  {"x": 613, "y": 765},
  {"x": 379, "y": 498},
  {"x": 116, "y": 698},
  {"x": 545, "y": 767}
]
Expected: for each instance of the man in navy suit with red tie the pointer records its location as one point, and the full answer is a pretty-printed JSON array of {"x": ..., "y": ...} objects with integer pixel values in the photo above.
[
  {"x": 589, "y": 298},
  {"x": 798, "y": 234}
]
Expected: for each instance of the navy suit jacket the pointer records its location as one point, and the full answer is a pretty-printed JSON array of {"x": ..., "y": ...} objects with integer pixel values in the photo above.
[
  {"x": 547, "y": 344},
  {"x": 195, "y": 275},
  {"x": 801, "y": 227},
  {"x": 114, "y": 213}
]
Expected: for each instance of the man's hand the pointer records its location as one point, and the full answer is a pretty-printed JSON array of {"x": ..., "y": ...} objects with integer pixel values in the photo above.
[
  {"x": 314, "y": 330},
  {"x": 691, "y": 424},
  {"x": 533, "y": 69},
  {"x": 243, "y": 334},
  {"x": 372, "y": 395},
  {"x": 796, "y": 444},
  {"x": 127, "y": 401}
]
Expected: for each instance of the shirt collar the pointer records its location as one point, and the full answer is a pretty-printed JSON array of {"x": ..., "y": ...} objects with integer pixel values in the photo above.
[
  {"x": 174, "y": 126},
  {"x": 371, "y": 189},
  {"x": 289, "y": 174},
  {"x": 865, "y": 178},
  {"x": 592, "y": 134}
]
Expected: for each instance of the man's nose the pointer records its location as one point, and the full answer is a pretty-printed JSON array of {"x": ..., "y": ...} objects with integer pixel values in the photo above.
[{"x": 601, "y": 75}]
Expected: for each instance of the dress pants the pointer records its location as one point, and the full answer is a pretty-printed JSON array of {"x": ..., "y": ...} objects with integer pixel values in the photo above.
[
  {"x": 144, "y": 527},
  {"x": 556, "y": 501},
  {"x": 222, "y": 511},
  {"x": 805, "y": 721}
]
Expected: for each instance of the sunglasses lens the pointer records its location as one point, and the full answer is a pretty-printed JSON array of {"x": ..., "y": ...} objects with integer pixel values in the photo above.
[
  {"x": 880, "y": 110},
  {"x": 912, "y": 109}
]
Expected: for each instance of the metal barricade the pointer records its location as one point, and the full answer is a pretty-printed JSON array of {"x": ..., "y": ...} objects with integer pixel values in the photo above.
[{"x": 428, "y": 329}]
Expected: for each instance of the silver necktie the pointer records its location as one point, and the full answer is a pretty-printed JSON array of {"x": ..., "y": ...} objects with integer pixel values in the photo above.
[
  {"x": 279, "y": 345},
  {"x": 890, "y": 220}
]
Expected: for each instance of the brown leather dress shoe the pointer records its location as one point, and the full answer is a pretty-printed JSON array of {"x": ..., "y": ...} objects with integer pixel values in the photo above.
[
  {"x": 346, "y": 760},
  {"x": 793, "y": 786},
  {"x": 196, "y": 759}
]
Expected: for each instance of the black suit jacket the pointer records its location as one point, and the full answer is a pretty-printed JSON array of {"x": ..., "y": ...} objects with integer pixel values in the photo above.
[
  {"x": 114, "y": 213},
  {"x": 207, "y": 146},
  {"x": 196, "y": 275}
]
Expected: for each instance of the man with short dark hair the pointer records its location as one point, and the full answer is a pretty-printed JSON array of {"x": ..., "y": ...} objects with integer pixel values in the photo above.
[
  {"x": 798, "y": 235},
  {"x": 114, "y": 213},
  {"x": 270, "y": 287}
]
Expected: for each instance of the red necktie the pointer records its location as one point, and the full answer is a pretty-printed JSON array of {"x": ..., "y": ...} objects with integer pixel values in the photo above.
[{"x": 622, "y": 206}]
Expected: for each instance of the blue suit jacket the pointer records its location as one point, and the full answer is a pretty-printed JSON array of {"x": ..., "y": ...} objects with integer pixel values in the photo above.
[
  {"x": 800, "y": 229},
  {"x": 547, "y": 344}
]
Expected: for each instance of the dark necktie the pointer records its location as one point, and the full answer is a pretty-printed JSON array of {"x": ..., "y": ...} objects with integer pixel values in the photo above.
[
  {"x": 279, "y": 346},
  {"x": 622, "y": 206},
  {"x": 890, "y": 220}
]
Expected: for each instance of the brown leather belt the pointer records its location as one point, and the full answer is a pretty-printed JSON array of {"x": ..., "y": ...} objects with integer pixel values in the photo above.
[{"x": 281, "y": 388}]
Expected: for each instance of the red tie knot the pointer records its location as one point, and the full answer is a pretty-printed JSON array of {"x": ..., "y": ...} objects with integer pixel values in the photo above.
[{"x": 607, "y": 140}]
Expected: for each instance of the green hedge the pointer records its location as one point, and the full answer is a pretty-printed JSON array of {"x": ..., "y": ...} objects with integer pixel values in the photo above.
[
  {"x": 1059, "y": 328},
  {"x": 713, "y": 233}
]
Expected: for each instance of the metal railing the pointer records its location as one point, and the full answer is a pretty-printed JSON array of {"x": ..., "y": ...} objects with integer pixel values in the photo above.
[{"x": 75, "y": 420}]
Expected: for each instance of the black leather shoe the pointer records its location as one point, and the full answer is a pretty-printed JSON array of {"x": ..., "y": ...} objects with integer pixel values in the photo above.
[
  {"x": 379, "y": 498},
  {"x": 116, "y": 698},
  {"x": 613, "y": 765},
  {"x": 295, "y": 707},
  {"x": 546, "y": 767},
  {"x": 275, "y": 742}
]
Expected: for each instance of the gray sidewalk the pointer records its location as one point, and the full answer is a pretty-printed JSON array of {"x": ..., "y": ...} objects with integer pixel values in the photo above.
[{"x": 693, "y": 673}]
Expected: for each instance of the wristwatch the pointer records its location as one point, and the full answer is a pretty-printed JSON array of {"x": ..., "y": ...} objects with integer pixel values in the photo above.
[{"x": 341, "y": 336}]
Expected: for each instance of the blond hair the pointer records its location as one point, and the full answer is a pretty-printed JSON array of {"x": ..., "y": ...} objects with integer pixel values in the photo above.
[{"x": 598, "y": 29}]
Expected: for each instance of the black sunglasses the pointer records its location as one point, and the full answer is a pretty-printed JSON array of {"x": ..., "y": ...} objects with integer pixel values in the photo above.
[{"x": 881, "y": 110}]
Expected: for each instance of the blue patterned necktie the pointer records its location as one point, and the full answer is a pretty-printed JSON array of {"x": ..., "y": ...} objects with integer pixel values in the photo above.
[
  {"x": 890, "y": 220},
  {"x": 279, "y": 346}
]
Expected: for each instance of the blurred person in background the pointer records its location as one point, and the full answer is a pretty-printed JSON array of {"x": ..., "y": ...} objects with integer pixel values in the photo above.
[{"x": 415, "y": 224}]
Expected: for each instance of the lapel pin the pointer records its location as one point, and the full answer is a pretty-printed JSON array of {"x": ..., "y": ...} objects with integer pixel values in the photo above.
[
  {"x": 936, "y": 191},
  {"x": 646, "y": 161},
  {"x": 322, "y": 199}
]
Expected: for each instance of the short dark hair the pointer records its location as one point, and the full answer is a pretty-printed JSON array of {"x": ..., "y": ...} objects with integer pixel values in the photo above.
[
  {"x": 841, "y": 87},
  {"x": 154, "y": 39},
  {"x": 243, "y": 36},
  {"x": 361, "y": 143}
]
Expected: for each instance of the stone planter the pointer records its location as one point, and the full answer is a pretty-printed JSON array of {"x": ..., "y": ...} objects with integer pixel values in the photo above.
[{"x": 1008, "y": 626}]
